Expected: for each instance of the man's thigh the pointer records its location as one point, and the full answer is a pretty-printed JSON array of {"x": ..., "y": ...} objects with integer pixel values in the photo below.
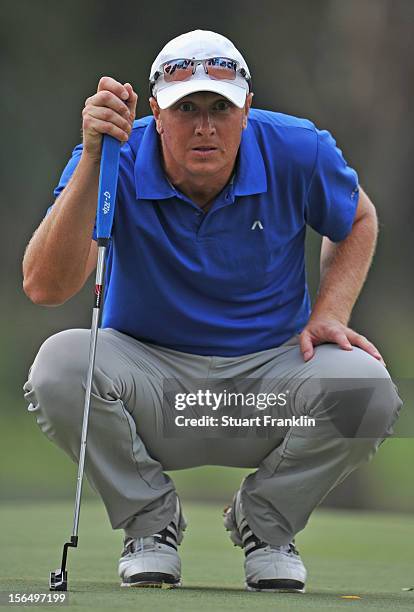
[
  {"x": 333, "y": 381},
  {"x": 273, "y": 371},
  {"x": 133, "y": 372},
  {"x": 129, "y": 375},
  {"x": 139, "y": 372}
]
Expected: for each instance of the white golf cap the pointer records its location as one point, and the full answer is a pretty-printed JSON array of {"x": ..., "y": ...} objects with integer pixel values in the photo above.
[{"x": 199, "y": 45}]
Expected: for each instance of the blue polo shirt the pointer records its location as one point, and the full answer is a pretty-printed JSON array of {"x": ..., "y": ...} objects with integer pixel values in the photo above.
[{"x": 231, "y": 281}]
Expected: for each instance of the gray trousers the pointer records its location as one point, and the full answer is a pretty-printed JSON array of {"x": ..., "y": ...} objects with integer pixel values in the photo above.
[{"x": 127, "y": 457}]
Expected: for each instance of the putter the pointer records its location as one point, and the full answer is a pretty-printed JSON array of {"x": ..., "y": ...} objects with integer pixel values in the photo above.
[{"x": 108, "y": 179}]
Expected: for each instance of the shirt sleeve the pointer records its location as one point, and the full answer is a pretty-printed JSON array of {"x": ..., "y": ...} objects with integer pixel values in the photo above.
[
  {"x": 66, "y": 176},
  {"x": 333, "y": 191}
]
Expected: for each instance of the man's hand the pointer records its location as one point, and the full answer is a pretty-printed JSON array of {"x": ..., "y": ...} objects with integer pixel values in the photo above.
[
  {"x": 110, "y": 111},
  {"x": 320, "y": 330}
]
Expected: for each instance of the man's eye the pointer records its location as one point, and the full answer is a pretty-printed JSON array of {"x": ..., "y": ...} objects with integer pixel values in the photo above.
[
  {"x": 222, "y": 105},
  {"x": 186, "y": 107}
]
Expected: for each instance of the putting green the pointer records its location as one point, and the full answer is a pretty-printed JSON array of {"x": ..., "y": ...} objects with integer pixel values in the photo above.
[{"x": 347, "y": 553}]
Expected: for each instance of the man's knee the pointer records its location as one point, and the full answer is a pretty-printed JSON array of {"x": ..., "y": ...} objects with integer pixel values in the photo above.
[
  {"x": 354, "y": 392},
  {"x": 333, "y": 362},
  {"x": 58, "y": 372}
]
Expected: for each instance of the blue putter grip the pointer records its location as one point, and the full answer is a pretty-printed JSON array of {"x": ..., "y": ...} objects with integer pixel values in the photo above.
[{"x": 108, "y": 180}]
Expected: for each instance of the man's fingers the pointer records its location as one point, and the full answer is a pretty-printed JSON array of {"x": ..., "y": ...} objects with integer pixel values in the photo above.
[
  {"x": 132, "y": 100},
  {"x": 306, "y": 346},
  {"x": 319, "y": 332},
  {"x": 105, "y": 127},
  {"x": 341, "y": 339},
  {"x": 109, "y": 100},
  {"x": 107, "y": 83},
  {"x": 111, "y": 110},
  {"x": 366, "y": 345},
  {"x": 108, "y": 115}
]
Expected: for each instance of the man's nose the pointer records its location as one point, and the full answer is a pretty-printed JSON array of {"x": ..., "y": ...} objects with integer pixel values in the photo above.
[{"x": 205, "y": 123}]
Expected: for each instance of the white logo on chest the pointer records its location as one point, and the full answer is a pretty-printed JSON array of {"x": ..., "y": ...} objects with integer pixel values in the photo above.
[{"x": 257, "y": 224}]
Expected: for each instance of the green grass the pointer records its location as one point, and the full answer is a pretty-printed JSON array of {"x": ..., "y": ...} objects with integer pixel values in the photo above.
[{"x": 347, "y": 553}]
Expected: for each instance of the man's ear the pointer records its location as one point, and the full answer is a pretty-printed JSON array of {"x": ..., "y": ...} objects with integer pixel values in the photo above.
[
  {"x": 246, "y": 109},
  {"x": 156, "y": 111}
]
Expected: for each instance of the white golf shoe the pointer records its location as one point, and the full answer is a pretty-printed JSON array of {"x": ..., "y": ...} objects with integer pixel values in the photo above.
[
  {"x": 267, "y": 568},
  {"x": 153, "y": 561}
]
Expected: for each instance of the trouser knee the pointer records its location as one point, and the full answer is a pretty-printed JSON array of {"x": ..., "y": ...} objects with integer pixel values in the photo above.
[
  {"x": 55, "y": 387},
  {"x": 354, "y": 407}
]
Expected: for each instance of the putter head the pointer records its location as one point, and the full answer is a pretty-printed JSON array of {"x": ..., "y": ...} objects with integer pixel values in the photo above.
[{"x": 58, "y": 580}]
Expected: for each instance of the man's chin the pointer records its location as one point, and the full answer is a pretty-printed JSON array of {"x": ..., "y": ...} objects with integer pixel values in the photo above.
[{"x": 205, "y": 165}]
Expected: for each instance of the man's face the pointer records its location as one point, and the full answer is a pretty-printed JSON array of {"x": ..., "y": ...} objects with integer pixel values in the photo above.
[{"x": 201, "y": 132}]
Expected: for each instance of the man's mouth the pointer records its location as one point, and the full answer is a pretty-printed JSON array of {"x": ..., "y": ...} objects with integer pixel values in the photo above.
[
  {"x": 204, "y": 151},
  {"x": 205, "y": 148}
]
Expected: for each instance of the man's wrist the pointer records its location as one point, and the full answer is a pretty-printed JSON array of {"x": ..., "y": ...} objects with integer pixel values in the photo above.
[
  {"x": 90, "y": 161},
  {"x": 325, "y": 311}
]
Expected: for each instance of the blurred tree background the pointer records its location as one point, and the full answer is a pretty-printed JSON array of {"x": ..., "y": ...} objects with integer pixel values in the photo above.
[{"x": 346, "y": 65}]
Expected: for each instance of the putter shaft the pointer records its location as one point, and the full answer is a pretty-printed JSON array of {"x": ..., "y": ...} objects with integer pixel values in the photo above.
[
  {"x": 92, "y": 352},
  {"x": 58, "y": 578}
]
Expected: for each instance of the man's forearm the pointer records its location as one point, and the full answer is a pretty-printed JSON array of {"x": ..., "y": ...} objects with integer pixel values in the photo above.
[
  {"x": 55, "y": 259},
  {"x": 344, "y": 268}
]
